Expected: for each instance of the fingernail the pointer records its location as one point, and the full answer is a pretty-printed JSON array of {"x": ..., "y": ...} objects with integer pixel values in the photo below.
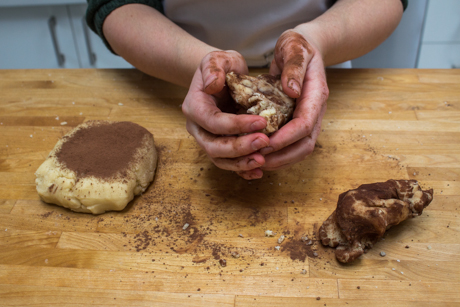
[
  {"x": 266, "y": 150},
  {"x": 209, "y": 80},
  {"x": 253, "y": 164},
  {"x": 251, "y": 175},
  {"x": 258, "y": 144},
  {"x": 258, "y": 125},
  {"x": 294, "y": 85}
]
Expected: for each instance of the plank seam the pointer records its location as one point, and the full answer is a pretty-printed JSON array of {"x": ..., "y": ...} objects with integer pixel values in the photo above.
[
  {"x": 12, "y": 207},
  {"x": 338, "y": 289}
]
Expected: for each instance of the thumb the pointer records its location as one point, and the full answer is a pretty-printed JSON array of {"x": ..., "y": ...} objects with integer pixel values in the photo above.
[
  {"x": 215, "y": 65},
  {"x": 292, "y": 55}
]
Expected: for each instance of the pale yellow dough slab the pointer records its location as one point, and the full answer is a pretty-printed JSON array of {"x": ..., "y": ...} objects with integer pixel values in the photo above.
[{"x": 58, "y": 185}]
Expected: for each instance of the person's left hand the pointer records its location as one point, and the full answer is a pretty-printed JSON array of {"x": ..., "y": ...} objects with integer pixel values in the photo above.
[{"x": 303, "y": 77}]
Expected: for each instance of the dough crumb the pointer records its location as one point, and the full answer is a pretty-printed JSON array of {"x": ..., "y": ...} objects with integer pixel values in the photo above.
[{"x": 280, "y": 239}]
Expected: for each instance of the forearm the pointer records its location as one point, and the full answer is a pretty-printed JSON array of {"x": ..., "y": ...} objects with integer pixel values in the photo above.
[
  {"x": 154, "y": 44},
  {"x": 352, "y": 28}
]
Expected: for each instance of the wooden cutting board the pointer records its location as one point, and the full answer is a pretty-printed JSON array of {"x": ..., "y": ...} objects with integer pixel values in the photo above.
[{"x": 380, "y": 125}]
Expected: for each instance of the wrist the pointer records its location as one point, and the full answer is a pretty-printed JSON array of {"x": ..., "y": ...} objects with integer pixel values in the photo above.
[{"x": 314, "y": 37}]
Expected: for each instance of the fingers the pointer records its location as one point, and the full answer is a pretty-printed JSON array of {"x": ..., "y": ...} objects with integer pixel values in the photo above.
[
  {"x": 216, "y": 131},
  {"x": 309, "y": 107},
  {"x": 202, "y": 109},
  {"x": 303, "y": 77},
  {"x": 206, "y": 114},
  {"x": 292, "y": 56},
  {"x": 295, "y": 152},
  {"x": 234, "y": 153},
  {"x": 243, "y": 165},
  {"x": 227, "y": 146},
  {"x": 252, "y": 174},
  {"x": 274, "y": 69},
  {"x": 215, "y": 65}
]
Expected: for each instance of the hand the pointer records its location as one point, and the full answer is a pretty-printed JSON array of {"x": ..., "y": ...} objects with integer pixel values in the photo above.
[
  {"x": 217, "y": 131},
  {"x": 303, "y": 77}
]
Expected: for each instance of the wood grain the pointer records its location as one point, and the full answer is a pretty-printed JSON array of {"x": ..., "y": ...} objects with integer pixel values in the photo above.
[{"x": 380, "y": 125}]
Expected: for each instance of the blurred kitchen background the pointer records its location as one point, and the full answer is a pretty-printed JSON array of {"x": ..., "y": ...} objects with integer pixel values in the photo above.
[{"x": 53, "y": 34}]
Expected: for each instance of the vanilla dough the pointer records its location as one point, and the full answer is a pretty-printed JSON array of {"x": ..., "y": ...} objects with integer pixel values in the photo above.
[
  {"x": 262, "y": 95},
  {"x": 99, "y": 166}
]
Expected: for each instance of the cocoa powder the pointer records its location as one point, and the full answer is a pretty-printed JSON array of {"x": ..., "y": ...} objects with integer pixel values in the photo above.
[
  {"x": 103, "y": 149},
  {"x": 298, "y": 250}
]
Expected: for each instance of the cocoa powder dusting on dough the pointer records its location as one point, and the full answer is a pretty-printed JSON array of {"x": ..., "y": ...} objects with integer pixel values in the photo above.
[
  {"x": 364, "y": 214},
  {"x": 102, "y": 150}
]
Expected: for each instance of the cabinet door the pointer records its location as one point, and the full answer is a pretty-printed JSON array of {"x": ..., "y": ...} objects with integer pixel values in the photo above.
[
  {"x": 401, "y": 48},
  {"x": 442, "y": 22},
  {"x": 441, "y": 37},
  {"x": 91, "y": 49},
  {"x": 439, "y": 56},
  {"x": 36, "y": 37}
]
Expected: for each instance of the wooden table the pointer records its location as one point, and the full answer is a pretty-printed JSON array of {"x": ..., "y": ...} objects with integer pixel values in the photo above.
[{"x": 380, "y": 125}]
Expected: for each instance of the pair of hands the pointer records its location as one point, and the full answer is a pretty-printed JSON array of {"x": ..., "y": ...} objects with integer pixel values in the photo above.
[{"x": 219, "y": 133}]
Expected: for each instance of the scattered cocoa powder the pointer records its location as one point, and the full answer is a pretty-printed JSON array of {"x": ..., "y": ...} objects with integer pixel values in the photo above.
[
  {"x": 142, "y": 240},
  {"x": 298, "y": 250},
  {"x": 155, "y": 223},
  {"x": 47, "y": 214}
]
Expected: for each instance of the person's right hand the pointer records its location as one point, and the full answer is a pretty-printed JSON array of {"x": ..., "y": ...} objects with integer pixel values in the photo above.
[
  {"x": 220, "y": 133},
  {"x": 299, "y": 61}
]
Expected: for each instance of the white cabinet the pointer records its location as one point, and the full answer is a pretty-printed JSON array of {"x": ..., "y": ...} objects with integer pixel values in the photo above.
[
  {"x": 439, "y": 56},
  {"x": 50, "y": 36},
  {"x": 36, "y": 37},
  {"x": 401, "y": 48},
  {"x": 440, "y": 46},
  {"x": 437, "y": 46}
]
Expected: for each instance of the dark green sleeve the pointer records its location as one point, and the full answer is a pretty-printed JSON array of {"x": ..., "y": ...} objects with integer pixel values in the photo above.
[
  {"x": 405, "y": 3},
  {"x": 98, "y": 10}
]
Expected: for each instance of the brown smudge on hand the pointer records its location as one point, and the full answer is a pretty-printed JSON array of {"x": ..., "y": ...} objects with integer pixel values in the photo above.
[
  {"x": 291, "y": 53},
  {"x": 213, "y": 67},
  {"x": 296, "y": 42}
]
